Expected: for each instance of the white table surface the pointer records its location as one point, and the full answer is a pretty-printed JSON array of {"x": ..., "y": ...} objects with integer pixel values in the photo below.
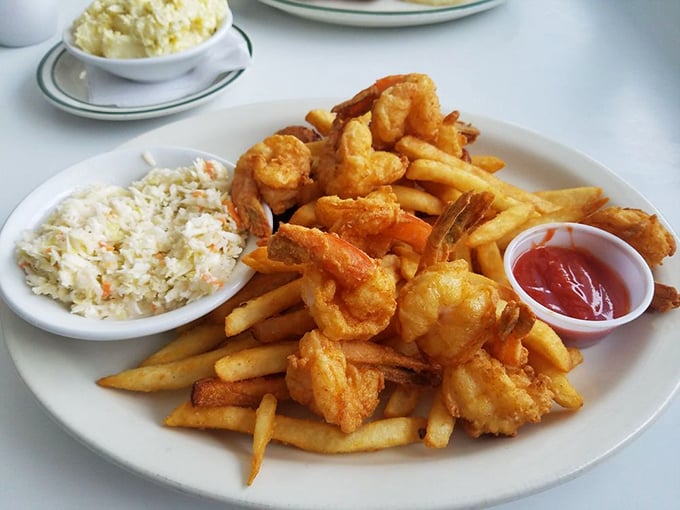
[{"x": 602, "y": 77}]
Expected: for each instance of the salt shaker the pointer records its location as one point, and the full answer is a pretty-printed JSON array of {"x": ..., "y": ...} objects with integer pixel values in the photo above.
[{"x": 27, "y": 22}]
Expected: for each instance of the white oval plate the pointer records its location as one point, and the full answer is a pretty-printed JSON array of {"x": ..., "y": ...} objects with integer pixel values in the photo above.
[
  {"x": 379, "y": 13},
  {"x": 62, "y": 80},
  {"x": 120, "y": 167},
  {"x": 626, "y": 380}
]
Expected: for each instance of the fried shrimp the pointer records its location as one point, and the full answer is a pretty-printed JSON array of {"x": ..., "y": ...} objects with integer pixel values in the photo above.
[
  {"x": 446, "y": 309},
  {"x": 350, "y": 295},
  {"x": 399, "y": 104},
  {"x": 320, "y": 377},
  {"x": 349, "y": 166},
  {"x": 275, "y": 169},
  {"x": 641, "y": 230},
  {"x": 373, "y": 222},
  {"x": 494, "y": 399}
]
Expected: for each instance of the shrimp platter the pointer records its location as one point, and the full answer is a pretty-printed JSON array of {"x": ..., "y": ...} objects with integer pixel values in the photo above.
[{"x": 380, "y": 314}]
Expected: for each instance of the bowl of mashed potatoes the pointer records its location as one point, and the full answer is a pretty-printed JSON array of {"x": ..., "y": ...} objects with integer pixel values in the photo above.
[{"x": 148, "y": 40}]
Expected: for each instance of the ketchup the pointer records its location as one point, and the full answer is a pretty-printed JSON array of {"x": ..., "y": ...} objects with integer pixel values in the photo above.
[{"x": 572, "y": 282}]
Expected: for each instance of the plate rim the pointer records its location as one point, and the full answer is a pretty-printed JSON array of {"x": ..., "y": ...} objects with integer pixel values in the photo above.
[
  {"x": 418, "y": 15},
  {"x": 51, "y": 91},
  {"x": 562, "y": 475}
]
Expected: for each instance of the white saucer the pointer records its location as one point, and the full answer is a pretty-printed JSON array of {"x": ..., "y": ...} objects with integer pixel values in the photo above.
[{"x": 62, "y": 80}]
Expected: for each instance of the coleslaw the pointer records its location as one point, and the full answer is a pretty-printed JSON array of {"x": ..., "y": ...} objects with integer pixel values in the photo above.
[{"x": 111, "y": 252}]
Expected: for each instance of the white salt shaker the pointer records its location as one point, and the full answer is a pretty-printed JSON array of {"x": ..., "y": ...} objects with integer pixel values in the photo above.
[{"x": 27, "y": 22}]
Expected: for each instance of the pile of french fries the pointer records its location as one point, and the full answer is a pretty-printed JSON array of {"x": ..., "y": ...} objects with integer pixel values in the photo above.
[{"x": 233, "y": 361}]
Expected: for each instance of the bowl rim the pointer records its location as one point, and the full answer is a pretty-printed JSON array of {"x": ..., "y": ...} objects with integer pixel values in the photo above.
[
  {"x": 67, "y": 40},
  {"x": 582, "y": 324}
]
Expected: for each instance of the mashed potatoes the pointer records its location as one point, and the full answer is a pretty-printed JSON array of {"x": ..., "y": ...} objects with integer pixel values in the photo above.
[{"x": 146, "y": 28}]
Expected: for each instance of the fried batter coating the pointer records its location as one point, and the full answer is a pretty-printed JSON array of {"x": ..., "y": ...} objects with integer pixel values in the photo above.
[
  {"x": 350, "y": 295},
  {"x": 641, "y": 230},
  {"x": 349, "y": 166},
  {"x": 402, "y": 104},
  {"x": 320, "y": 377},
  {"x": 494, "y": 399},
  {"x": 276, "y": 170}
]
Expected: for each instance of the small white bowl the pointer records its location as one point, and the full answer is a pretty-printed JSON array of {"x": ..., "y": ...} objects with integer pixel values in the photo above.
[
  {"x": 119, "y": 167},
  {"x": 615, "y": 253},
  {"x": 152, "y": 69}
]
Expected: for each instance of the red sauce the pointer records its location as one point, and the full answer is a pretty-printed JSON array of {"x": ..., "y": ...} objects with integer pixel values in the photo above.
[{"x": 572, "y": 282}]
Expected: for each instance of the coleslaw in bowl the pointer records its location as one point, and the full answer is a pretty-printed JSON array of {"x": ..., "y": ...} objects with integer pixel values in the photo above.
[{"x": 126, "y": 244}]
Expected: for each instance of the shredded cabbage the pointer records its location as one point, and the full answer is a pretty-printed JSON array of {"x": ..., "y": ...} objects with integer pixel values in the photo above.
[{"x": 113, "y": 252}]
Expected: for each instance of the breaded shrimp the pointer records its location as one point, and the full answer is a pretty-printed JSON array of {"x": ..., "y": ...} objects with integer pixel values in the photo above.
[
  {"x": 320, "y": 377},
  {"x": 275, "y": 170},
  {"x": 349, "y": 166},
  {"x": 494, "y": 399},
  {"x": 641, "y": 230},
  {"x": 350, "y": 295}
]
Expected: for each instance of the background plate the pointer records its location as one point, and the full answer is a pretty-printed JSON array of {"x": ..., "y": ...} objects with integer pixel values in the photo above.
[
  {"x": 62, "y": 81},
  {"x": 626, "y": 380},
  {"x": 379, "y": 13}
]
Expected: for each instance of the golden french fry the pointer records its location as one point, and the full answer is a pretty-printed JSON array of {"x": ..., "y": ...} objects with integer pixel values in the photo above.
[
  {"x": 431, "y": 170},
  {"x": 265, "y": 417},
  {"x": 402, "y": 402},
  {"x": 490, "y": 262},
  {"x": 259, "y": 284},
  {"x": 415, "y": 148},
  {"x": 543, "y": 340},
  {"x": 214, "y": 392},
  {"x": 440, "y": 423},
  {"x": 487, "y": 163},
  {"x": 177, "y": 374},
  {"x": 414, "y": 199},
  {"x": 504, "y": 222},
  {"x": 321, "y": 120},
  {"x": 258, "y": 260},
  {"x": 289, "y": 325},
  {"x": 445, "y": 192},
  {"x": 565, "y": 394},
  {"x": 255, "y": 362},
  {"x": 570, "y": 197},
  {"x": 313, "y": 436},
  {"x": 305, "y": 215},
  {"x": 259, "y": 308},
  {"x": 576, "y": 356},
  {"x": 201, "y": 338}
]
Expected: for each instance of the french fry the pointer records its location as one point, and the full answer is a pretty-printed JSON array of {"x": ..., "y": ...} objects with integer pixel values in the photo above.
[
  {"x": 445, "y": 192},
  {"x": 312, "y": 436},
  {"x": 261, "y": 307},
  {"x": 487, "y": 163},
  {"x": 199, "y": 339},
  {"x": 259, "y": 284},
  {"x": 490, "y": 262},
  {"x": 415, "y": 148},
  {"x": 565, "y": 394},
  {"x": 402, "y": 401},
  {"x": 431, "y": 170},
  {"x": 289, "y": 325},
  {"x": 440, "y": 423},
  {"x": 543, "y": 340},
  {"x": 414, "y": 199},
  {"x": 258, "y": 260},
  {"x": 255, "y": 362},
  {"x": 504, "y": 222},
  {"x": 569, "y": 197},
  {"x": 305, "y": 215},
  {"x": 265, "y": 417},
  {"x": 177, "y": 374},
  {"x": 214, "y": 392},
  {"x": 321, "y": 120}
]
